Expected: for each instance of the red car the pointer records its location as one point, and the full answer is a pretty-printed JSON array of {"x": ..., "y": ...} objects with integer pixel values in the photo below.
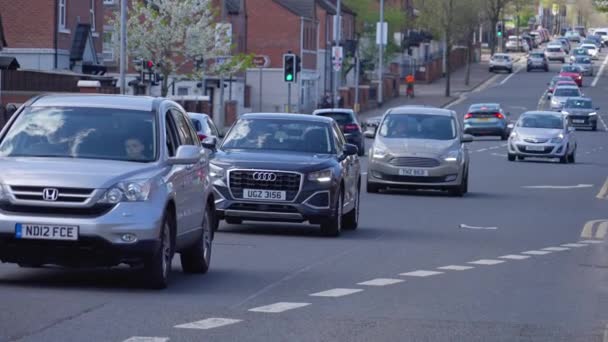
[{"x": 573, "y": 71}]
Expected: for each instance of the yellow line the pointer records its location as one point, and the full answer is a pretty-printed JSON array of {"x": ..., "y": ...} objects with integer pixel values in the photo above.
[
  {"x": 602, "y": 229},
  {"x": 604, "y": 191}
]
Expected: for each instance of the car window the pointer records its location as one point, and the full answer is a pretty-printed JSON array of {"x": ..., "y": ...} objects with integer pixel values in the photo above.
[
  {"x": 183, "y": 130},
  {"x": 541, "y": 121},
  {"x": 342, "y": 118},
  {"x": 280, "y": 135},
  {"x": 212, "y": 129},
  {"x": 75, "y": 132},
  {"x": 570, "y": 68},
  {"x": 340, "y": 141},
  {"x": 578, "y": 103},
  {"x": 567, "y": 92},
  {"x": 171, "y": 135},
  {"x": 418, "y": 126},
  {"x": 197, "y": 124}
]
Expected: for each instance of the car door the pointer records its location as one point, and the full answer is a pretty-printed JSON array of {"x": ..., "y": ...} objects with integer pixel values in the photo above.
[
  {"x": 349, "y": 165},
  {"x": 193, "y": 201}
]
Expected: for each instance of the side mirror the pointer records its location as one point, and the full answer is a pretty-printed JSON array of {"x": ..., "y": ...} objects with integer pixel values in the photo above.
[
  {"x": 186, "y": 154},
  {"x": 466, "y": 138},
  {"x": 350, "y": 149},
  {"x": 369, "y": 134},
  {"x": 209, "y": 143}
]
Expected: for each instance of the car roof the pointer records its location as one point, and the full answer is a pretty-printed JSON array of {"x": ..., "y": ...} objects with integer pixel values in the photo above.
[
  {"x": 580, "y": 98},
  {"x": 421, "y": 110},
  {"x": 542, "y": 112},
  {"x": 143, "y": 103},
  {"x": 288, "y": 116},
  {"x": 567, "y": 86},
  {"x": 333, "y": 110}
]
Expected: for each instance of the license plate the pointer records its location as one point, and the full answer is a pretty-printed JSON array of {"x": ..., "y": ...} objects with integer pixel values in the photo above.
[
  {"x": 483, "y": 119},
  {"x": 578, "y": 121},
  {"x": 46, "y": 232},
  {"x": 269, "y": 195},
  {"x": 535, "y": 148},
  {"x": 413, "y": 172}
]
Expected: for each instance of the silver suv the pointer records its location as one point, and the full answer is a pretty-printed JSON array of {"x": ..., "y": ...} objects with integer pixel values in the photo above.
[{"x": 103, "y": 180}]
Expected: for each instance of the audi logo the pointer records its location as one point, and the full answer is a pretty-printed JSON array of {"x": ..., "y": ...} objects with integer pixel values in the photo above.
[
  {"x": 264, "y": 176},
  {"x": 49, "y": 194}
]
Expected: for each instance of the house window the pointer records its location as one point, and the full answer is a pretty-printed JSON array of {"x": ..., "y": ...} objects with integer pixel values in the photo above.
[
  {"x": 108, "y": 45},
  {"x": 182, "y": 91},
  {"x": 62, "y": 14},
  {"x": 92, "y": 15}
]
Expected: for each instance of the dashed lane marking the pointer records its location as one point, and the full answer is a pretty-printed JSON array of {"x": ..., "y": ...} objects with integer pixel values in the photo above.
[
  {"x": 603, "y": 124},
  {"x": 279, "y": 307},
  {"x": 336, "y": 292},
  {"x": 603, "y": 194},
  {"x": 556, "y": 249},
  {"x": 146, "y": 339},
  {"x": 600, "y": 232},
  {"x": 514, "y": 257},
  {"x": 488, "y": 262},
  {"x": 513, "y": 74},
  {"x": 455, "y": 268},
  {"x": 209, "y": 323},
  {"x": 381, "y": 282},
  {"x": 597, "y": 77},
  {"x": 536, "y": 252},
  {"x": 465, "y": 226},
  {"x": 502, "y": 155},
  {"x": 481, "y": 150},
  {"x": 421, "y": 273},
  {"x": 591, "y": 241},
  {"x": 494, "y": 147},
  {"x": 574, "y": 245}
]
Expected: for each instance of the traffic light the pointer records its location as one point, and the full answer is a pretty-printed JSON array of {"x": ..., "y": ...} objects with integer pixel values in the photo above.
[
  {"x": 289, "y": 67},
  {"x": 499, "y": 30},
  {"x": 149, "y": 65}
]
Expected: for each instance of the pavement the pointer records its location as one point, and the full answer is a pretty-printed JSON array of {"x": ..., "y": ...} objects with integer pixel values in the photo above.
[{"x": 522, "y": 257}]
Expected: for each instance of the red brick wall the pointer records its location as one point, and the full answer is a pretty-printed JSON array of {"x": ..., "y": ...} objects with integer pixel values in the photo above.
[{"x": 28, "y": 23}]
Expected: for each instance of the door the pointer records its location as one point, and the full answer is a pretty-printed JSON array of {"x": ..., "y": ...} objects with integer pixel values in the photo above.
[
  {"x": 177, "y": 174},
  {"x": 349, "y": 165}
]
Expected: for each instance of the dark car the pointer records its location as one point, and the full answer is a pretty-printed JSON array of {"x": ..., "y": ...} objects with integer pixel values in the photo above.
[
  {"x": 486, "y": 119},
  {"x": 581, "y": 113},
  {"x": 287, "y": 168},
  {"x": 537, "y": 60},
  {"x": 348, "y": 123}
]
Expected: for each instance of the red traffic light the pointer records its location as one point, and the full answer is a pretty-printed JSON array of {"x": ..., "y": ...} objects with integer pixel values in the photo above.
[{"x": 150, "y": 64}]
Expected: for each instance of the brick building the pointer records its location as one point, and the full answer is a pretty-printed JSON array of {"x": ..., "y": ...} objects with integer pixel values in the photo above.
[{"x": 54, "y": 34}]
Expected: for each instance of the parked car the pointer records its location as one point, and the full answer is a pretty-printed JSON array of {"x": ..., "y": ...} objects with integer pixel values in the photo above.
[
  {"x": 585, "y": 64},
  {"x": 501, "y": 61},
  {"x": 348, "y": 123},
  {"x": 486, "y": 119},
  {"x": 419, "y": 148},
  {"x": 537, "y": 60},
  {"x": 286, "y": 167},
  {"x": 561, "y": 94},
  {"x": 204, "y": 126},
  {"x": 113, "y": 180},
  {"x": 581, "y": 112},
  {"x": 555, "y": 53},
  {"x": 539, "y": 134}
]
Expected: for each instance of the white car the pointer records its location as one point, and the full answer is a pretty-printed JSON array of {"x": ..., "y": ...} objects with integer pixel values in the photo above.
[
  {"x": 501, "y": 61},
  {"x": 555, "y": 53},
  {"x": 591, "y": 49},
  {"x": 517, "y": 44},
  {"x": 602, "y": 32}
]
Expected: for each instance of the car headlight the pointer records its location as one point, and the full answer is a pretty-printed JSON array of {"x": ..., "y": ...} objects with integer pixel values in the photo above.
[
  {"x": 216, "y": 172},
  {"x": 558, "y": 139},
  {"x": 591, "y": 114},
  {"x": 513, "y": 136},
  {"x": 322, "y": 176},
  {"x": 128, "y": 191},
  {"x": 378, "y": 152},
  {"x": 565, "y": 113},
  {"x": 452, "y": 156}
]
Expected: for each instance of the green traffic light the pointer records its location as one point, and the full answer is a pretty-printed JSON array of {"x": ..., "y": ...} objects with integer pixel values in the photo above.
[
  {"x": 289, "y": 77},
  {"x": 499, "y": 34}
]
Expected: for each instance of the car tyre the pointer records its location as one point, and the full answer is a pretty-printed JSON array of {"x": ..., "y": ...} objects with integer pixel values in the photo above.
[
  {"x": 594, "y": 127},
  {"x": 572, "y": 157},
  {"x": 233, "y": 220},
  {"x": 490, "y": 69},
  {"x": 504, "y": 136},
  {"x": 461, "y": 189},
  {"x": 197, "y": 259},
  {"x": 510, "y": 70},
  {"x": 351, "y": 219},
  {"x": 521, "y": 157},
  {"x": 333, "y": 225},
  {"x": 528, "y": 69},
  {"x": 511, "y": 157},
  {"x": 29, "y": 265},
  {"x": 372, "y": 188},
  {"x": 158, "y": 266},
  {"x": 361, "y": 151}
]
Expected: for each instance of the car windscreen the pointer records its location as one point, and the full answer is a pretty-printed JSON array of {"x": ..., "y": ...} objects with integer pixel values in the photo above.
[
  {"x": 582, "y": 60},
  {"x": 537, "y": 55},
  {"x": 578, "y": 103},
  {"x": 570, "y": 68},
  {"x": 541, "y": 121},
  {"x": 418, "y": 126},
  {"x": 341, "y": 118},
  {"x": 280, "y": 135},
  {"x": 500, "y": 58},
  {"x": 554, "y": 49},
  {"x": 76, "y": 132},
  {"x": 567, "y": 92}
]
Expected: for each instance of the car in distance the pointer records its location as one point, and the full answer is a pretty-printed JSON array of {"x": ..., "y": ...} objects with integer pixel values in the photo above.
[
  {"x": 541, "y": 134},
  {"x": 501, "y": 61},
  {"x": 419, "y": 148},
  {"x": 537, "y": 60},
  {"x": 516, "y": 44},
  {"x": 204, "y": 126},
  {"x": 486, "y": 119},
  {"x": 348, "y": 123},
  {"x": 573, "y": 36},
  {"x": 554, "y": 81},
  {"x": 103, "y": 180},
  {"x": 555, "y": 53},
  {"x": 561, "y": 94},
  {"x": 287, "y": 168},
  {"x": 573, "y": 71},
  {"x": 581, "y": 113},
  {"x": 591, "y": 48},
  {"x": 585, "y": 64}
]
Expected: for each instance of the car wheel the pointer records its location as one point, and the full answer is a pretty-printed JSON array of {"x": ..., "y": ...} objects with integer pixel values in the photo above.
[
  {"x": 461, "y": 189},
  {"x": 564, "y": 159},
  {"x": 521, "y": 157},
  {"x": 233, "y": 220},
  {"x": 546, "y": 69},
  {"x": 594, "y": 127},
  {"x": 372, "y": 188},
  {"x": 158, "y": 266},
  {"x": 361, "y": 151},
  {"x": 572, "y": 157},
  {"x": 511, "y": 157},
  {"x": 333, "y": 225},
  {"x": 490, "y": 70},
  {"x": 510, "y": 71},
  {"x": 528, "y": 69},
  {"x": 351, "y": 219},
  {"x": 504, "y": 136},
  {"x": 197, "y": 258}
]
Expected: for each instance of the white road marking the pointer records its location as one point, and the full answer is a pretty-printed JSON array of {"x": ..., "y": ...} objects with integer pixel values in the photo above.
[
  {"x": 597, "y": 77},
  {"x": 481, "y": 150},
  {"x": 515, "y": 257},
  {"x": 486, "y": 83},
  {"x": 574, "y": 245},
  {"x": 603, "y": 123},
  {"x": 502, "y": 155},
  {"x": 536, "y": 252},
  {"x": 460, "y": 100},
  {"x": 279, "y": 307},
  {"x": 464, "y": 226},
  {"x": 420, "y": 273},
  {"x": 512, "y": 74},
  {"x": 208, "y": 323},
  {"x": 578, "y": 186},
  {"x": 336, "y": 292},
  {"x": 603, "y": 194},
  {"x": 494, "y": 147},
  {"x": 381, "y": 282},
  {"x": 556, "y": 249},
  {"x": 146, "y": 339},
  {"x": 504, "y": 145},
  {"x": 455, "y": 268},
  {"x": 591, "y": 241},
  {"x": 488, "y": 262}
]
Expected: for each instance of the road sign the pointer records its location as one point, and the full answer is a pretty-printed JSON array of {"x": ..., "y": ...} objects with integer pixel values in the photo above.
[
  {"x": 261, "y": 61},
  {"x": 337, "y": 57},
  {"x": 381, "y": 33}
]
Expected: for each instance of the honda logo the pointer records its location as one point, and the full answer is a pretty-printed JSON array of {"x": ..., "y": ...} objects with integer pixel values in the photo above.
[
  {"x": 264, "y": 176},
  {"x": 49, "y": 194}
]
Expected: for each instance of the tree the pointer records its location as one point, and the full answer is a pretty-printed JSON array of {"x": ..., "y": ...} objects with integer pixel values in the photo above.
[
  {"x": 173, "y": 33},
  {"x": 467, "y": 23},
  {"x": 493, "y": 10}
]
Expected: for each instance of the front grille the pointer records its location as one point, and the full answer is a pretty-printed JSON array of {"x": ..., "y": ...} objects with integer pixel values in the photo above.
[
  {"x": 414, "y": 162},
  {"x": 276, "y": 208},
  {"x": 414, "y": 179},
  {"x": 285, "y": 181},
  {"x": 547, "y": 149},
  {"x": 94, "y": 211},
  {"x": 536, "y": 141},
  {"x": 35, "y": 193}
]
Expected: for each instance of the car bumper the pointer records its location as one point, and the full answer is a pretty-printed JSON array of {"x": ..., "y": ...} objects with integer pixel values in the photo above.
[
  {"x": 354, "y": 138},
  {"x": 501, "y": 67},
  {"x": 583, "y": 121},
  {"x": 445, "y": 176},
  {"x": 537, "y": 66},
  {"x": 474, "y": 129},
  {"x": 550, "y": 150}
]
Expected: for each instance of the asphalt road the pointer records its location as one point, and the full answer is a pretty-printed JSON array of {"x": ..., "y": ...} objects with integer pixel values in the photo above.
[{"x": 522, "y": 257}]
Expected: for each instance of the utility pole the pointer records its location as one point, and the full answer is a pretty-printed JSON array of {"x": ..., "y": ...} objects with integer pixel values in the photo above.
[
  {"x": 220, "y": 120},
  {"x": 338, "y": 39},
  {"x": 381, "y": 53},
  {"x": 123, "y": 46}
]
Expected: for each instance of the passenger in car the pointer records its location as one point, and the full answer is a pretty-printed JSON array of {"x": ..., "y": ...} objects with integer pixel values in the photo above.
[{"x": 135, "y": 149}]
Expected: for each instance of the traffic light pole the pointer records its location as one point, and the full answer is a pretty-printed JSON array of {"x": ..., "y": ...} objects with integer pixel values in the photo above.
[
  {"x": 338, "y": 37},
  {"x": 289, "y": 97}
]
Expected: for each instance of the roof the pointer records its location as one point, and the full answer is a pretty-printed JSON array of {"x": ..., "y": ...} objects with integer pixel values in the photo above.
[
  {"x": 144, "y": 103},
  {"x": 8, "y": 63},
  {"x": 287, "y": 116},
  {"x": 420, "y": 110},
  {"x": 301, "y": 8}
]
